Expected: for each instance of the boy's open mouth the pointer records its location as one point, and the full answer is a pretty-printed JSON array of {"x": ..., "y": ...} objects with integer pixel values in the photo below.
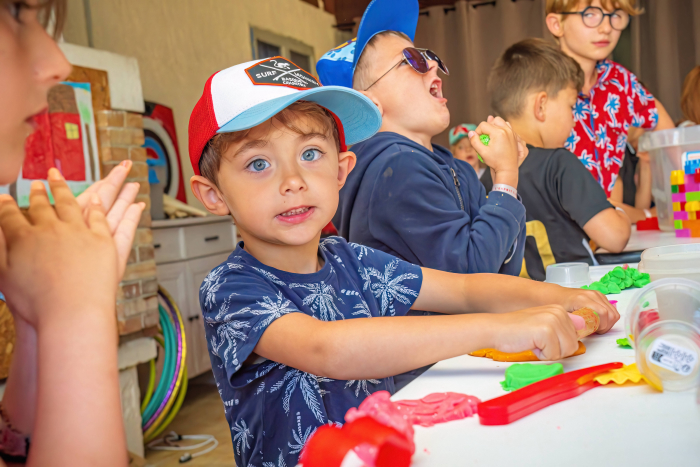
[
  {"x": 296, "y": 215},
  {"x": 436, "y": 89}
]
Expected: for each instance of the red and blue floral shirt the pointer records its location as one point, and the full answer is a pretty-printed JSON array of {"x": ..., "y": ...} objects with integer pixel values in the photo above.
[{"x": 603, "y": 118}]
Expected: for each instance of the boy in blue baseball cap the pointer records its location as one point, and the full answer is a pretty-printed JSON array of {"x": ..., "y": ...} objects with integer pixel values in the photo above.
[{"x": 407, "y": 196}]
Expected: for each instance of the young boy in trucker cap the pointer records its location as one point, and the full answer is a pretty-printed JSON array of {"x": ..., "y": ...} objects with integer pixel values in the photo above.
[{"x": 300, "y": 330}]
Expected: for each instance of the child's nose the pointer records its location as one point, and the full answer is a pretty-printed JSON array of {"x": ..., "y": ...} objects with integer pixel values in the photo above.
[{"x": 293, "y": 182}]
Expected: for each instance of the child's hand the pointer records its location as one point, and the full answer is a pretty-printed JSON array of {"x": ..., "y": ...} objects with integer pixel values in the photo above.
[
  {"x": 547, "y": 331},
  {"x": 55, "y": 264},
  {"x": 503, "y": 154},
  {"x": 575, "y": 299}
]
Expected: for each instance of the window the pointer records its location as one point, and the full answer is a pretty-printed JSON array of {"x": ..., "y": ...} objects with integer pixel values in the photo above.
[
  {"x": 303, "y": 61},
  {"x": 265, "y": 44},
  {"x": 266, "y": 50}
]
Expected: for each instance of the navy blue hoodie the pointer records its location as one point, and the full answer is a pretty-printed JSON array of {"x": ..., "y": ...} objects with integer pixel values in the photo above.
[{"x": 429, "y": 208}]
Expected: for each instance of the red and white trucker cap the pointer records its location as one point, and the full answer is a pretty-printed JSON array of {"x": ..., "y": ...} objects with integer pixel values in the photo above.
[{"x": 248, "y": 94}]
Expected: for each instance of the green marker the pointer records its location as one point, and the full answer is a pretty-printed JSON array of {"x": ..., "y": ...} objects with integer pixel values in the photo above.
[{"x": 485, "y": 139}]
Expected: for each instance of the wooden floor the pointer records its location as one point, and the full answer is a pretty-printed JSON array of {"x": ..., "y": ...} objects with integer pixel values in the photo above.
[{"x": 201, "y": 413}]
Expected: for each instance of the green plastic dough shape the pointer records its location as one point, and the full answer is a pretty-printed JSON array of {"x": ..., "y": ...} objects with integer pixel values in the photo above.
[
  {"x": 485, "y": 140},
  {"x": 618, "y": 280},
  {"x": 519, "y": 375},
  {"x": 624, "y": 343}
]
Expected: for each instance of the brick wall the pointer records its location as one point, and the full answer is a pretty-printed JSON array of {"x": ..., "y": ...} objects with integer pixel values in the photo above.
[{"x": 121, "y": 137}]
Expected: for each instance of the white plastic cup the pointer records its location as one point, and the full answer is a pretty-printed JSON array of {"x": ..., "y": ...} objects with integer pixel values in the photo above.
[{"x": 663, "y": 321}]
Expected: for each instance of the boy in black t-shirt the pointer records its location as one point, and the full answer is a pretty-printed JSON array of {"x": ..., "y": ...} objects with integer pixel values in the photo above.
[{"x": 534, "y": 86}]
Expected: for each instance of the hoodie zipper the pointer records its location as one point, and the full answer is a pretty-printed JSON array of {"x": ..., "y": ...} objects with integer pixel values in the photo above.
[{"x": 459, "y": 194}]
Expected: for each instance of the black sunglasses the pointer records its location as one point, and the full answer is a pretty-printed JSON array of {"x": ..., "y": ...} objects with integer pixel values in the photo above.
[
  {"x": 418, "y": 59},
  {"x": 593, "y": 17}
]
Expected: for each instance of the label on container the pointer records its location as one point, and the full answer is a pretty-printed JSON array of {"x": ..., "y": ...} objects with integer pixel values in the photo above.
[{"x": 675, "y": 358}]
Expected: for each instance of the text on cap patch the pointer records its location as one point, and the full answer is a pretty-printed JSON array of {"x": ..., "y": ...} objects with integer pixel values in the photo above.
[{"x": 278, "y": 71}]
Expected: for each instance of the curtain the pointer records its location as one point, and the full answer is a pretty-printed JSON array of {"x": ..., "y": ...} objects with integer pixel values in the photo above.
[{"x": 665, "y": 47}]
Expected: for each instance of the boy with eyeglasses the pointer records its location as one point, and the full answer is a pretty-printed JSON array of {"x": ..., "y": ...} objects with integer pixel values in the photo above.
[
  {"x": 612, "y": 99},
  {"x": 407, "y": 196}
]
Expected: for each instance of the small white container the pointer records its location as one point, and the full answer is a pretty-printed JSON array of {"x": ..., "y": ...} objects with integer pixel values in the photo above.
[
  {"x": 572, "y": 275},
  {"x": 663, "y": 262}
]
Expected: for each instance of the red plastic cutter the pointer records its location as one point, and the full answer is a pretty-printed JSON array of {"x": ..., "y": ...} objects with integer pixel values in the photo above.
[{"x": 516, "y": 405}]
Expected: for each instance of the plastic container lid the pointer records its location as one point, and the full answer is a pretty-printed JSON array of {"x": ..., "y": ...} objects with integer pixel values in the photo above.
[
  {"x": 673, "y": 259},
  {"x": 651, "y": 140},
  {"x": 572, "y": 275},
  {"x": 663, "y": 320}
]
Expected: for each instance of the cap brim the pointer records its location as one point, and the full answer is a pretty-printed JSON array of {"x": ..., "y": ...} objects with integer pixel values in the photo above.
[{"x": 358, "y": 114}]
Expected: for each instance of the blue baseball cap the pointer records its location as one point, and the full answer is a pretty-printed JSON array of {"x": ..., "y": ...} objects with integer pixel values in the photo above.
[{"x": 337, "y": 66}]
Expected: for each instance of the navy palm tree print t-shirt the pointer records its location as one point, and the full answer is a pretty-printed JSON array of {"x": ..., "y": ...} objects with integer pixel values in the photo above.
[{"x": 273, "y": 409}]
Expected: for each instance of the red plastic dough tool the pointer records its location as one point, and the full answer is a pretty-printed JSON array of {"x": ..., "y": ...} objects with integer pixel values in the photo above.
[{"x": 516, "y": 405}]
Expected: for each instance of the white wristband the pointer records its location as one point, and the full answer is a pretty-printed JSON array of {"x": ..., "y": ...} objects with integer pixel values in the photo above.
[
  {"x": 506, "y": 189},
  {"x": 648, "y": 214}
]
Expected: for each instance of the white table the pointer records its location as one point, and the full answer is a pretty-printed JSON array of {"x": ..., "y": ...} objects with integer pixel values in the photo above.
[
  {"x": 606, "y": 426},
  {"x": 651, "y": 238}
]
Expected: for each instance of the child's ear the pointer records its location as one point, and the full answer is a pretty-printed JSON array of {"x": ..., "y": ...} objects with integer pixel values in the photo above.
[
  {"x": 540, "y": 106},
  {"x": 346, "y": 162},
  {"x": 209, "y": 195},
  {"x": 554, "y": 25},
  {"x": 371, "y": 97}
]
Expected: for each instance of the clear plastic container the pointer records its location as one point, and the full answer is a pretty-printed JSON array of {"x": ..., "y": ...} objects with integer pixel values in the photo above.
[
  {"x": 665, "y": 150},
  {"x": 663, "y": 321},
  {"x": 573, "y": 275},
  {"x": 662, "y": 262}
]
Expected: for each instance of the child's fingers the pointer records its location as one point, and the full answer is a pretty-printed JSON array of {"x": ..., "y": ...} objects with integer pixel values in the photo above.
[
  {"x": 3, "y": 252},
  {"x": 67, "y": 207},
  {"x": 124, "y": 234},
  {"x": 40, "y": 210},
  {"x": 112, "y": 186},
  {"x": 12, "y": 223},
  {"x": 97, "y": 221},
  {"x": 498, "y": 121},
  {"x": 125, "y": 199}
]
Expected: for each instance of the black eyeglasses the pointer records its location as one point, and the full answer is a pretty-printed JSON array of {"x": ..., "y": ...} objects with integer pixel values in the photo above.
[
  {"x": 593, "y": 17},
  {"x": 418, "y": 59}
]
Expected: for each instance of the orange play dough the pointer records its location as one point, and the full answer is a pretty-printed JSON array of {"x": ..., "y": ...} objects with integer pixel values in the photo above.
[{"x": 527, "y": 356}]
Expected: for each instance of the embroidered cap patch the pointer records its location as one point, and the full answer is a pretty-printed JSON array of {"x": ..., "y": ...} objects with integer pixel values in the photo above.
[{"x": 278, "y": 71}]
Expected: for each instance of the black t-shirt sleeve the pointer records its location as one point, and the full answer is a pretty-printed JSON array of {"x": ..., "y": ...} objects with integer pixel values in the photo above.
[
  {"x": 578, "y": 192},
  {"x": 486, "y": 180}
]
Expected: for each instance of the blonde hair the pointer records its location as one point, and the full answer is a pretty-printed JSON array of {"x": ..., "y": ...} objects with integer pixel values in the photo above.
[
  {"x": 530, "y": 65},
  {"x": 561, "y": 6},
  {"x": 318, "y": 118},
  {"x": 690, "y": 96},
  {"x": 361, "y": 79}
]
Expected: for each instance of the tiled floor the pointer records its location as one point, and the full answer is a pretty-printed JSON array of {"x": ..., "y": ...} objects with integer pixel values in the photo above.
[{"x": 201, "y": 413}]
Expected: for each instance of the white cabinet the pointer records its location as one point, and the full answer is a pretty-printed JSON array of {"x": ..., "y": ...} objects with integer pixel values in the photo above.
[{"x": 186, "y": 250}]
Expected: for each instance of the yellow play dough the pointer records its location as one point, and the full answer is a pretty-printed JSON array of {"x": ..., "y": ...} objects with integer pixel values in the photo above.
[{"x": 623, "y": 375}]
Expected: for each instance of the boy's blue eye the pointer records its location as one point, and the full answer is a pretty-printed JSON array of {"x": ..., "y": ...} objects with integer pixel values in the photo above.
[
  {"x": 310, "y": 155},
  {"x": 258, "y": 165}
]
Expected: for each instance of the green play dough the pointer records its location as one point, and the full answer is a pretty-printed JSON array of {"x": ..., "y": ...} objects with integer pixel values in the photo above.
[
  {"x": 624, "y": 343},
  {"x": 485, "y": 140},
  {"x": 519, "y": 375},
  {"x": 618, "y": 280}
]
